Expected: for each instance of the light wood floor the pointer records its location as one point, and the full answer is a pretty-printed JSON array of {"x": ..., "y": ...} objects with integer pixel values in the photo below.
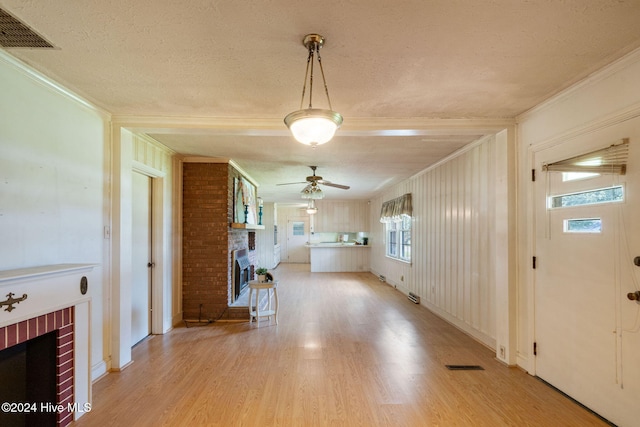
[{"x": 348, "y": 351}]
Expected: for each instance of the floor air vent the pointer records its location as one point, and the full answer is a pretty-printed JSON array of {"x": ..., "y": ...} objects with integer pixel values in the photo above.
[
  {"x": 414, "y": 298},
  {"x": 464, "y": 367}
]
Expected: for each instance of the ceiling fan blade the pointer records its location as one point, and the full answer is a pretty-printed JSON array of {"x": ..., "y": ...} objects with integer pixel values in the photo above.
[
  {"x": 331, "y": 184},
  {"x": 291, "y": 183}
]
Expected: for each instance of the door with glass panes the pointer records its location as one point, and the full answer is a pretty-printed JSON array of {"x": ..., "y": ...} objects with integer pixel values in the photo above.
[
  {"x": 297, "y": 239},
  {"x": 586, "y": 339}
]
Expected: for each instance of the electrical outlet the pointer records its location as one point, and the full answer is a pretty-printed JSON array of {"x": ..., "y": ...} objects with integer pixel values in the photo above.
[{"x": 502, "y": 352}]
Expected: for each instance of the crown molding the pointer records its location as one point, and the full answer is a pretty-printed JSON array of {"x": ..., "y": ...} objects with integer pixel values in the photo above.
[
  {"x": 50, "y": 84},
  {"x": 594, "y": 78},
  {"x": 356, "y": 126}
]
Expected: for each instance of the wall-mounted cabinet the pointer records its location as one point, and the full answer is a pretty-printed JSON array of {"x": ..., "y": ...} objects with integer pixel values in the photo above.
[{"x": 341, "y": 216}]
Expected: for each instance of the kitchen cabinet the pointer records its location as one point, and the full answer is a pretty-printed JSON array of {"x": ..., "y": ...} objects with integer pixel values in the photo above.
[{"x": 341, "y": 216}]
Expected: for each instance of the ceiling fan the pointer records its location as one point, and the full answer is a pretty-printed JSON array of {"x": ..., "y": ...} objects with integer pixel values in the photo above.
[{"x": 314, "y": 180}]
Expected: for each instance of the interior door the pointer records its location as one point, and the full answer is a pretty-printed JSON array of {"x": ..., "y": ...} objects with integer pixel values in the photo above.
[
  {"x": 297, "y": 239},
  {"x": 141, "y": 258},
  {"x": 586, "y": 330}
]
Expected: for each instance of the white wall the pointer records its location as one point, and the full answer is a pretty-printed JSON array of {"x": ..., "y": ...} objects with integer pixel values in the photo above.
[
  {"x": 597, "y": 112},
  {"x": 65, "y": 198},
  {"x": 460, "y": 230},
  {"x": 265, "y": 238},
  {"x": 54, "y": 186}
]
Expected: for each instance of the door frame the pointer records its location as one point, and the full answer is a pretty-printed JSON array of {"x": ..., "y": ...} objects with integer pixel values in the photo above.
[
  {"x": 590, "y": 139},
  {"x": 299, "y": 218},
  {"x": 157, "y": 235},
  {"x": 138, "y": 264}
]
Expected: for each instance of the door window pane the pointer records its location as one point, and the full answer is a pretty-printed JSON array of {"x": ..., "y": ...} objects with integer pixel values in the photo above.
[
  {"x": 298, "y": 228},
  {"x": 583, "y": 225},
  {"x": 601, "y": 195}
]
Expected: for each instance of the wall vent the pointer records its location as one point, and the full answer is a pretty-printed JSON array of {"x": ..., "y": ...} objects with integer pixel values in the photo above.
[
  {"x": 14, "y": 33},
  {"x": 414, "y": 298}
]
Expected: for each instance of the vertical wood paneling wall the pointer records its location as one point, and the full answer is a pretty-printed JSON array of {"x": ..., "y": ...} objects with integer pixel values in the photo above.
[
  {"x": 337, "y": 259},
  {"x": 453, "y": 240}
]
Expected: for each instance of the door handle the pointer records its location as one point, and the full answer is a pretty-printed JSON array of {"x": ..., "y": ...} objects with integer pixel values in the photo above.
[
  {"x": 151, "y": 264},
  {"x": 634, "y": 296}
]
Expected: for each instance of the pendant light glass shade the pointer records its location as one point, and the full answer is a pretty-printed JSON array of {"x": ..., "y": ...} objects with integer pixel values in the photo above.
[
  {"x": 311, "y": 208},
  {"x": 313, "y": 126}
]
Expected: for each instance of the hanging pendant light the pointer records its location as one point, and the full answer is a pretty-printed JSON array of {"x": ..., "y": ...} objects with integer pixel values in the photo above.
[
  {"x": 311, "y": 208},
  {"x": 313, "y": 126}
]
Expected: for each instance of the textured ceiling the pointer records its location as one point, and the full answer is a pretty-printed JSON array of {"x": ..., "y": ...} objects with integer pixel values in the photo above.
[{"x": 414, "y": 80}]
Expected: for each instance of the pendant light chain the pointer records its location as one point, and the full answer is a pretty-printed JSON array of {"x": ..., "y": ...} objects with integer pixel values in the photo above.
[
  {"x": 311, "y": 50},
  {"x": 306, "y": 75},
  {"x": 326, "y": 89},
  {"x": 314, "y": 49}
]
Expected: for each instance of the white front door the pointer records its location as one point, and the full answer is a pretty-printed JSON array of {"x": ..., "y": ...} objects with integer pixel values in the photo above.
[
  {"x": 141, "y": 258},
  {"x": 297, "y": 239},
  {"x": 587, "y": 333}
]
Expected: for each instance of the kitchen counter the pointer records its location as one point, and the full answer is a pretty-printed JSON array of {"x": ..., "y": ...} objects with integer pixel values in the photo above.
[
  {"x": 335, "y": 245},
  {"x": 338, "y": 257}
]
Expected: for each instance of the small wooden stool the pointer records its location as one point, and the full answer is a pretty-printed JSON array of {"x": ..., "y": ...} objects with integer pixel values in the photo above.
[{"x": 272, "y": 291}]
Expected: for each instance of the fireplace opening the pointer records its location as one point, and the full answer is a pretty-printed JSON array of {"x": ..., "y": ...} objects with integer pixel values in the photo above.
[
  {"x": 241, "y": 272},
  {"x": 28, "y": 372}
]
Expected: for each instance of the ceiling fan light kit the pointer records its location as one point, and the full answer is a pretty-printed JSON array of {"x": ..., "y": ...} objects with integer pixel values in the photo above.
[
  {"x": 313, "y": 126},
  {"x": 312, "y": 191}
]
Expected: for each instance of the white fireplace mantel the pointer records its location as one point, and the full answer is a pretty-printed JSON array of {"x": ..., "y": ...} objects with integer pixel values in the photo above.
[{"x": 50, "y": 288}]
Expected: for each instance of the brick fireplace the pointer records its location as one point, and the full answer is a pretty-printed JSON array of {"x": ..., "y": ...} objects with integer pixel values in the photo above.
[
  {"x": 208, "y": 242},
  {"x": 60, "y": 323},
  {"x": 46, "y": 335}
]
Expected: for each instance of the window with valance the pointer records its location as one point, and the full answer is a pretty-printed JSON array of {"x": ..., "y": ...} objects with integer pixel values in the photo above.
[
  {"x": 395, "y": 209},
  {"x": 396, "y": 214}
]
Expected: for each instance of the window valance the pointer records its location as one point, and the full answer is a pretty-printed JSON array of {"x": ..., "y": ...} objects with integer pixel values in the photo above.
[
  {"x": 612, "y": 159},
  {"x": 396, "y": 209}
]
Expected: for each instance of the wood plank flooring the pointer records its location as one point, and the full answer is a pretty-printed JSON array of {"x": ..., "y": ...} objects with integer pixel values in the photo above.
[{"x": 348, "y": 351}]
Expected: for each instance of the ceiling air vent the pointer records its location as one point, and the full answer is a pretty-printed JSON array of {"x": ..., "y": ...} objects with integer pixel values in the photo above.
[{"x": 14, "y": 33}]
